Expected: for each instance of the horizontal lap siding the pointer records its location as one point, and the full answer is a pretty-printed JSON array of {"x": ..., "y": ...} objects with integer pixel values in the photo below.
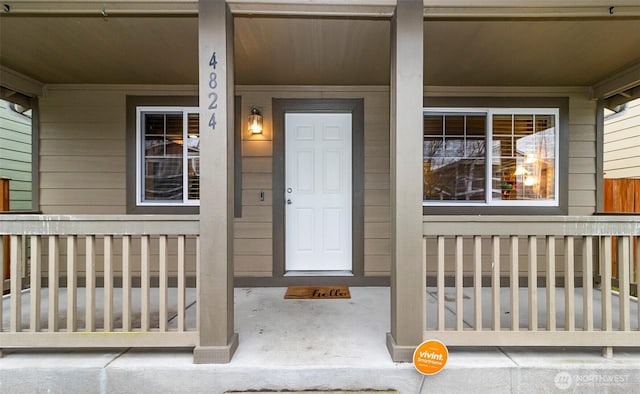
[
  {"x": 622, "y": 143},
  {"x": 15, "y": 156},
  {"x": 582, "y": 156},
  {"x": 253, "y": 233},
  {"x": 82, "y": 151}
]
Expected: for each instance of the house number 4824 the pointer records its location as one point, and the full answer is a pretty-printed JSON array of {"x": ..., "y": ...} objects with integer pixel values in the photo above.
[{"x": 213, "y": 95}]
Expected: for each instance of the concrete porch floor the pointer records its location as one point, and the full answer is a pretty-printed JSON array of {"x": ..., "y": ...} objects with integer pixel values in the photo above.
[{"x": 315, "y": 345}]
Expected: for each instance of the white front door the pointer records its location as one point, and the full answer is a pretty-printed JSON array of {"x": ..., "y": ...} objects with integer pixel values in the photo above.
[{"x": 318, "y": 192}]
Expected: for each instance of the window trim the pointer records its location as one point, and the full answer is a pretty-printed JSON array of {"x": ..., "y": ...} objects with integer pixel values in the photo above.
[
  {"x": 489, "y": 112},
  {"x": 132, "y": 102},
  {"x": 560, "y": 102},
  {"x": 185, "y": 110}
]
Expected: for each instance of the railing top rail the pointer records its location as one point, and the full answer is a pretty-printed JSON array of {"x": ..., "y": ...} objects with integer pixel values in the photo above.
[
  {"x": 449, "y": 225},
  {"x": 100, "y": 224}
]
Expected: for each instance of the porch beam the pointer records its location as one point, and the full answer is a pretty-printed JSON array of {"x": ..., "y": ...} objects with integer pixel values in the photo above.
[
  {"x": 20, "y": 83},
  {"x": 617, "y": 84},
  {"x": 529, "y": 8},
  {"x": 217, "y": 341},
  {"x": 373, "y": 8},
  {"x": 102, "y": 9},
  {"x": 408, "y": 272}
]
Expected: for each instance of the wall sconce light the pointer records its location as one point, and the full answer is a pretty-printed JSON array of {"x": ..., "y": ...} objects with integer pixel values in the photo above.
[{"x": 255, "y": 121}]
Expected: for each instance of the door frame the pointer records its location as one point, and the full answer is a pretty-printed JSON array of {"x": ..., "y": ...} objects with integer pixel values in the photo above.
[{"x": 356, "y": 108}]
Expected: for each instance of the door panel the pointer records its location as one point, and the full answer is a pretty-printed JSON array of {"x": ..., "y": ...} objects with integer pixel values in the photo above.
[{"x": 318, "y": 199}]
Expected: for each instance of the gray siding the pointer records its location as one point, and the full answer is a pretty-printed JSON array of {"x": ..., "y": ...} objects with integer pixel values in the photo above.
[{"x": 15, "y": 155}]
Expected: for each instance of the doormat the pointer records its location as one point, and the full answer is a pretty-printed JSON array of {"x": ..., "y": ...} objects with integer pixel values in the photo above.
[{"x": 316, "y": 292}]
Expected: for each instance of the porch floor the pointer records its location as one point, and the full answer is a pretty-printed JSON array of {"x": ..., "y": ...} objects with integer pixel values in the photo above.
[{"x": 315, "y": 344}]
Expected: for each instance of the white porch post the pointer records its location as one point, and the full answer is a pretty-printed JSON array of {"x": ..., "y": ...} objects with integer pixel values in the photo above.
[
  {"x": 215, "y": 269},
  {"x": 407, "y": 271}
]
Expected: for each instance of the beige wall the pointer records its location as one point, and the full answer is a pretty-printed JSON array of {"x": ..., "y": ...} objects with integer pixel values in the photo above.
[
  {"x": 622, "y": 143},
  {"x": 83, "y": 158}
]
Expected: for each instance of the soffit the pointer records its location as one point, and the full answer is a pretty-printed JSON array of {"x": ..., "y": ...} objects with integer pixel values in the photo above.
[
  {"x": 529, "y": 52},
  {"x": 319, "y": 51}
]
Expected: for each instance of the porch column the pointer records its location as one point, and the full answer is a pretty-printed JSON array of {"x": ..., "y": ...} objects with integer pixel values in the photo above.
[
  {"x": 215, "y": 269},
  {"x": 407, "y": 272}
]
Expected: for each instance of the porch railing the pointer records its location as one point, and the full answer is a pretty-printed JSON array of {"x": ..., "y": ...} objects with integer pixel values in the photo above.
[
  {"x": 99, "y": 281},
  {"x": 532, "y": 281}
]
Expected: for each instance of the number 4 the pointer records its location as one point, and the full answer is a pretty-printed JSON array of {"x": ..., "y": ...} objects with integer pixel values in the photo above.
[
  {"x": 213, "y": 62},
  {"x": 212, "y": 121}
]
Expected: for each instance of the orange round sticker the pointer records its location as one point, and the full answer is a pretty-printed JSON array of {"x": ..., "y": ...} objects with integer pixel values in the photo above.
[{"x": 430, "y": 357}]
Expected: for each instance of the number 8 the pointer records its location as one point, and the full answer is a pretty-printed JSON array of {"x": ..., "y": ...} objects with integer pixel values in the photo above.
[{"x": 213, "y": 83}]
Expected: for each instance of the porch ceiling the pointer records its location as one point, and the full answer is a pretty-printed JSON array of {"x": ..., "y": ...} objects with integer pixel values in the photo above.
[{"x": 319, "y": 51}]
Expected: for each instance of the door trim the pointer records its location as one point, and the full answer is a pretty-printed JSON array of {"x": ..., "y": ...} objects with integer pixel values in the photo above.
[{"x": 356, "y": 108}]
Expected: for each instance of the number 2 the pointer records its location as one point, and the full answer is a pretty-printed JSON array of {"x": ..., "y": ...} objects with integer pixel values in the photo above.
[{"x": 214, "y": 100}]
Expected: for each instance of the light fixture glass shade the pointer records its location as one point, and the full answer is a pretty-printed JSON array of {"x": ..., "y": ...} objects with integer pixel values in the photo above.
[
  {"x": 529, "y": 181},
  {"x": 520, "y": 170},
  {"x": 255, "y": 121}
]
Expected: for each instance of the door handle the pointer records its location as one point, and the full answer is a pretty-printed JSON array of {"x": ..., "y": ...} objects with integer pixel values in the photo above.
[{"x": 289, "y": 201}]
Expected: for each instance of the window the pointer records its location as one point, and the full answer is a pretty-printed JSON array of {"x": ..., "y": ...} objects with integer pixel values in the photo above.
[
  {"x": 496, "y": 156},
  {"x": 168, "y": 156}
]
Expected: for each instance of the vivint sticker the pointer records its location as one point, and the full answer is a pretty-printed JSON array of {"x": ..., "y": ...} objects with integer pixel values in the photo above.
[{"x": 430, "y": 357}]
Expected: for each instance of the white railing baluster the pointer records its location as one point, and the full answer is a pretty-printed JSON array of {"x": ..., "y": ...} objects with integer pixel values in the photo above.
[
  {"x": 424, "y": 269},
  {"x": 72, "y": 283},
  {"x": 126, "y": 283},
  {"x": 3, "y": 245},
  {"x": 181, "y": 283},
  {"x": 515, "y": 283},
  {"x": 637, "y": 249},
  {"x": 16, "y": 283},
  {"x": 569, "y": 285},
  {"x": 551, "y": 282},
  {"x": 440, "y": 284},
  {"x": 606, "y": 265},
  {"x": 198, "y": 300},
  {"x": 495, "y": 281},
  {"x": 35, "y": 285},
  {"x": 54, "y": 307},
  {"x": 477, "y": 282},
  {"x": 587, "y": 283},
  {"x": 637, "y": 262},
  {"x": 459, "y": 283},
  {"x": 108, "y": 283},
  {"x": 163, "y": 285},
  {"x": 144, "y": 284},
  {"x": 90, "y": 283},
  {"x": 533, "y": 283},
  {"x": 624, "y": 264}
]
